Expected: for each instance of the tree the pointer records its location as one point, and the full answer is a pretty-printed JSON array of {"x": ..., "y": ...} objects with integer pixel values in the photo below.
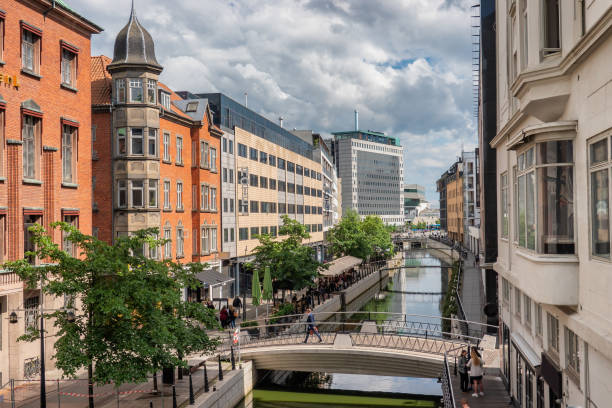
[
  {"x": 348, "y": 238},
  {"x": 292, "y": 264},
  {"x": 379, "y": 237},
  {"x": 132, "y": 321}
]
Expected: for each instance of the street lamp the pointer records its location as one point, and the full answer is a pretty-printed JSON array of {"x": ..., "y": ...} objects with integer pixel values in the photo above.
[{"x": 70, "y": 317}]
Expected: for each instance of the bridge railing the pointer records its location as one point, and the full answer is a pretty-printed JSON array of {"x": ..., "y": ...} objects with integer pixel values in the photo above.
[{"x": 448, "y": 396}]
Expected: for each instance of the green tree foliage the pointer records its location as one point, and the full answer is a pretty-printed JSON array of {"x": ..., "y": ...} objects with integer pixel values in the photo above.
[
  {"x": 131, "y": 320},
  {"x": 360, "y": 238},
  {"x": 293, "y": 265}
]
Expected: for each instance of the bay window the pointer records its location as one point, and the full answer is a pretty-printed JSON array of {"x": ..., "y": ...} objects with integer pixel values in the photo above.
[
  {"x": 136, "y": 136},
  {"x": 119, "y": 90},
  {"x": 504, "y": 205},
  {"x": 545, "y": 178},
  {"x": 121, "y": 141},
  {"x": 135, "y": 90},
  {"x": 137, "y": 193},
  {"x": 152, "y": 143},
  {"x": 152, "y": 193},
  {"x": 151, "y": 91},
  {"x": 122, "y": 195}
]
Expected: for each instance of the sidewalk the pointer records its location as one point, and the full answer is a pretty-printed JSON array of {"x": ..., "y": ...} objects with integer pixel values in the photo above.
[{"x": 472, "y": 295}]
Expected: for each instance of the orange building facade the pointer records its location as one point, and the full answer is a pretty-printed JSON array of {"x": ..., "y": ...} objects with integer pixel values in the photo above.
[
  {"x": 45, "y": 154},
  {"x": 156, "y": 154}
]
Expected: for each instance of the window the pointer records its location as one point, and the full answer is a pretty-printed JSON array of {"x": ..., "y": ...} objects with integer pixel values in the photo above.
[
  {"x": 31, "y": 129},
  {"x": 291, "y": 208},
  {"x": 231, "y": 204},
  {"x": 572, "y": 357},
  {"x": 527, "y": 310},
  {"x": 281, "y": 163},
  {"x": 135, "y": 90},
  {"x": 225, "y": 175},
  {"x": 504, "y": 205},
  {"x": 254, "y": 232},
  {"x": 203, "y": 154},
  {"x": 300, "y": 209},
  {"x": 153, "y": 251},
  {"x": 548, "y": 176},
  {"x": 264, "y": 230},
  {"x": 165, "y": 100},
  {"x": 273, "y": 231},
  {"x": 538, "y": 320},
  {"x": 272, "y": 184},
  {"x": 204, "y": 243},
  {"x": 243, "y": 206},
  {"x": 263, "y": 157},
  {"x": 213, "y": 199},
  {"x": 253, "y": 180},
  {"x": 254, "y": 206},
  {"x": 152, "y": 193},
  {"x": 68, "y": 246},
  {"x": 213, "y": 240},
  {"x": 306, "y": 190},
  {"x": 272, "y": 160},
  {"x": 119, "y": 90},
  {"x": 253, "y": 153},
  {"x": 600, "y": 198},
  {"x": 231, "y": 176},
  {"x": 151, "y": 91},
  {"x": 213, "y": 159},
  {"x": 299, "y": 189},
  {"x": 204, "y": 189},
  {"x": 264, "y": 207},
  {"x": 179, "y": 149},
  {"x": 137, "y": 193},
  {"x": 225, "y": 205},
  {"x": 231, "y": 146},
  {"x": 69, "y": 65},
  {"x": 553, "y": 333},
  {"x": 168, "y": 243},
  {"x": 224, "y": 145},
  {"x": 242, "y": 150},
  {"x": 69, "y": 147},
  {"x": 290, "y": 167},
  {"x": 179, "y": 195},
  {"x": 225, "y": 234},
  {"x": 32, "y": 310},
  {"x": 243, "y": 234},
  {"x": 282, "y": 208},
  {"x": 167, "y": 194},
  {"x": 122, "y": 201},
  {"x": 180, "y": 242},
  {"x": 137, "y": 142},
  {"x": 166, "y": 146},
  {"x": 505, "y": 290},
  {"x": 290, "y": 188},
  {"x": 30, "y": 51},
  {"x": 552, "y": 40},
  {"x": 281, "y": 186},
  {"x": 263, "y": 182},
  {"x": 299, "y": 169}
]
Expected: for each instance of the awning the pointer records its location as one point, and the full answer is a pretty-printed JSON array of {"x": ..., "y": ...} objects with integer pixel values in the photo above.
[
  {"x": 341, "y": 265},
  {"x": 530, "y": 356},
  {"x": 213, "y": 278}
]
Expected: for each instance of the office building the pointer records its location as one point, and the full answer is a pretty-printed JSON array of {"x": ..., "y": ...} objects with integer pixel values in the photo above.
[
  {"x": 371, "y": 166},
  {"x": 45, "y": 157},
  {"x": 414, "y": 198},
  {"x": 471, "y": 200},
  {"x": 554, "y": 123},
  {"x": 156, "y": 159}
]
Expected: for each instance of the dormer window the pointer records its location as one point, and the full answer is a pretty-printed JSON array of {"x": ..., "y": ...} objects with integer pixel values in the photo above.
[
  {"x": 191, "y": 107},
  {"x": 164, "y": 99}
]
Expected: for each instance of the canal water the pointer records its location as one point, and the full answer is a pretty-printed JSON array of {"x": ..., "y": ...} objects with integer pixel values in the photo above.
[{"x": 321, "y": 390}]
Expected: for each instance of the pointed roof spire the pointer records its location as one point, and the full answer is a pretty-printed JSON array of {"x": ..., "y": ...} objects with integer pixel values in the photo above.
[{"x": 134, "y": 46}]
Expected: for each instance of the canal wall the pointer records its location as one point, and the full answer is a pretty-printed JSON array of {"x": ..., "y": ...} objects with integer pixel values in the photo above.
[
  {"x": 442, "y": 251},
  {"x": 237, "y": 385}
]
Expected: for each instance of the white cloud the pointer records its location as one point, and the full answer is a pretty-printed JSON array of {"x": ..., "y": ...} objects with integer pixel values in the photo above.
[{"x": 405, "y": 64}]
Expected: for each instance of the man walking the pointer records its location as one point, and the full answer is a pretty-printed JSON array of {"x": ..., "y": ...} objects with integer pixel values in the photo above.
[
  {"x": 462, "y": 368},
  {"x": 311, "y": 329}
]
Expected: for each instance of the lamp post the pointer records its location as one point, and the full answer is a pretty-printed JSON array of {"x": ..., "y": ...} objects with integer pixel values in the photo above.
[{"x": 13, "y": 319}]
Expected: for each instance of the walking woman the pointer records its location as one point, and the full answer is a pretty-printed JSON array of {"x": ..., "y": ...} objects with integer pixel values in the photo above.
[{"x": 476, "y": 365}]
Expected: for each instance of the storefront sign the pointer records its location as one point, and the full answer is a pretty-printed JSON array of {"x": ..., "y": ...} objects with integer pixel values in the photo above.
[{"x": 11, "y": 81}]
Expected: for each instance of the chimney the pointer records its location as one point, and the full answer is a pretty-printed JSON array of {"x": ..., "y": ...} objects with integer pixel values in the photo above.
[
  {"x": 246, "y": 99},
  {"x": 356, "y": 119},
  {"x": 280, "y": 121}
]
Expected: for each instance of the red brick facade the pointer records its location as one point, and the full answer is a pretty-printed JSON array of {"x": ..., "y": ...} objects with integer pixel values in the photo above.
[{"x": 38, "y": 95}]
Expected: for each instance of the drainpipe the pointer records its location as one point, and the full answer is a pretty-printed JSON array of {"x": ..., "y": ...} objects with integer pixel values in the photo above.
[{"x": 49, "y": 9}]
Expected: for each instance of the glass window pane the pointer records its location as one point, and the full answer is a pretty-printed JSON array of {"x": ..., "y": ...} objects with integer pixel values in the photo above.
[
  {"x": 599, "y": 151},
  {"x": 530, "y": 210},
  {"x": 559, "y": 151},
  {"x": 521, "y": 211},
  {"x": 556, "y": 210},
  {"x": 529, "y": 158},
  {"x": 599, "y": 214}
]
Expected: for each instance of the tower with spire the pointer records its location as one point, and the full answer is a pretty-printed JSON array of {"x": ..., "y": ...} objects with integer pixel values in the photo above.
[{"x": 135, "y": 124}]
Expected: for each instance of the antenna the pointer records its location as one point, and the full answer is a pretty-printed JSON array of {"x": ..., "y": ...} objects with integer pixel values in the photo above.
[
  {"x": 280, "y": 121},
  {"x": 356, "y": 119},
  {"x": 246, "y": 99}
]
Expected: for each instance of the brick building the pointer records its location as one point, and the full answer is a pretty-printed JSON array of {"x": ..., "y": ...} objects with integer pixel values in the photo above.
[
  {"x": 156, "y": 157},
  {"x": 45, "y": 152}
]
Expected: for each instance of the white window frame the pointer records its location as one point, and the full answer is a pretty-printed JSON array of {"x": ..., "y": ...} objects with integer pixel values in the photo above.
[
  {"x": 152, "y": 194},
  {"x": 179, "y": 149},
  {"x": 151, "y": 91},
  {"x": 122, "y": 187},
  {"x": 120, "y": 91},
  {"x": 168, "y": 243},
  {"x": 30, "y": 146},
  {"x": 134, "y": 189},
  {"x": 152, "y": 142},
  {"x": 166, "y": 143},
  {"x": 167, "y": 204},
  {"x": 133, "y": 138},
  {"x": 179, "y": 195},
  {"x": 204, "y": 241},
  {"x": 165, "y": 100},
  {"x": 213, "y": 239},
  {"x": 213, "y": 198},
  {"x": 213, "y": 159},
  {"x": 180, "y": 242},
  {"x": 68, "y": 66},
  {"x": 135, "y": 85}
]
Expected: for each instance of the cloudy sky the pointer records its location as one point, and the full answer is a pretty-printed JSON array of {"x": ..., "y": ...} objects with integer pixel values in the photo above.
[{"x": 404, "y": 64}]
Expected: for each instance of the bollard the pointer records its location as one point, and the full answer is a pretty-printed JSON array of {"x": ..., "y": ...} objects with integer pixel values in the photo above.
[
  {"x": 173, "y": 396},
  {"x": 155, "y": 389},
  {"x": 59, "y": 400},
  {"x": 150, "y": 404},
  {"x": 220, "y": 369},
  {"x": 206, "y": 387},
  {"x": 233, "y": 359},
  {"x": 191, "y": 396}
]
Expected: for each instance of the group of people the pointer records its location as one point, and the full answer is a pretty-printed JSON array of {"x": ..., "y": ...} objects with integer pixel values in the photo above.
[
  {"x": 227, "y": 315},
  {"x": 471, "y": 367}
]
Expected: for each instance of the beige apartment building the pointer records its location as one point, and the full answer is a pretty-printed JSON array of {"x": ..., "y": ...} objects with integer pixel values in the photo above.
[
  {"x": 554, "y": 115},
  {"x": 454, "y": 203},
  {"x": 273, "y": 181}
]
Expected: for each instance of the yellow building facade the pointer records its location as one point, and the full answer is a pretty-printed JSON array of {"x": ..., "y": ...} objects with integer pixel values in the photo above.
[{"x": 454, "y": 206}]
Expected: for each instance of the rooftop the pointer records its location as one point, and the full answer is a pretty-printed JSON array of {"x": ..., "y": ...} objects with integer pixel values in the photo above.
[{"x": 368, "y": 135}]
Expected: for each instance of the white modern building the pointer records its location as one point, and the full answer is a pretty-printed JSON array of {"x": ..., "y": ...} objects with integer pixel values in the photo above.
[
  {"x": 554, "y": 135},
  {"x": 414, "y": 201},
  {"x": 471, "y": 200},
  {"x": 371, "y": 166}
]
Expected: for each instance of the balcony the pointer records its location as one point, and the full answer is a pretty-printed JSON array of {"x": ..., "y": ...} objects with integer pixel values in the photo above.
[{"x": 547, "y": 279}]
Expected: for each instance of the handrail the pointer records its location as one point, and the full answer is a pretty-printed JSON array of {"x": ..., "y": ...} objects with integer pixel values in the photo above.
[{"x": 448, "y": 395}]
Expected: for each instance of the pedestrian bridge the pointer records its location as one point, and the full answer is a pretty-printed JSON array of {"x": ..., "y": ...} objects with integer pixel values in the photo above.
[{"x": 392, "y": 347}]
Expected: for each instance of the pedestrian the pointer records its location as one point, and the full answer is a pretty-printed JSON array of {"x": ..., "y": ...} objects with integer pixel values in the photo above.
[
  {"x": 237, "y": 303},
  {"x": 463, "y": 373},
  {"x": 232, "y": 317},
  {"x": 223, "y": 317},
  {"x": 311, "y": 328},
  {"x": 476, "y": 365}
]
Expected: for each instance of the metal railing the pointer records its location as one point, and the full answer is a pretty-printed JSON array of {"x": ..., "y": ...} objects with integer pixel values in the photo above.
[{"x": 448, "y": 395}]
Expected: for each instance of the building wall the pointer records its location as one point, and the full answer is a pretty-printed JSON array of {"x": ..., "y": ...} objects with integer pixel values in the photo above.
[
  {"x": 454, "y": 207},
  {"x": 45, "y": 195},
  {"x": 258, "y": 220},
  {"x": 228, "y": 192},
  {"x": 471, "y": 190},
  {"x": 543, "y": 99}
]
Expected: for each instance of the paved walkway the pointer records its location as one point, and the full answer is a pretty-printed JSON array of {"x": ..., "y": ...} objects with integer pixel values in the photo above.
[
  {"x": 472, "y": 296},
  {"x": 495, "y": 396}
]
